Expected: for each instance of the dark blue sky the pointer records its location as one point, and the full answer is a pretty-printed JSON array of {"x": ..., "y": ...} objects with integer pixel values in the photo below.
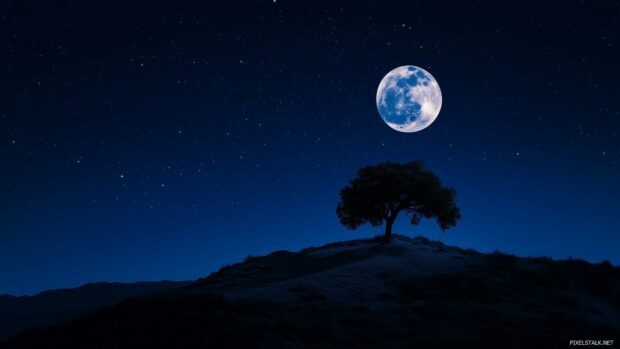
[{"x": 144, "y": 141}]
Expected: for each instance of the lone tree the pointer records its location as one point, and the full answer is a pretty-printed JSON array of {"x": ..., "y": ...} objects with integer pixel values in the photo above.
[{"x": 379, "y": 193}]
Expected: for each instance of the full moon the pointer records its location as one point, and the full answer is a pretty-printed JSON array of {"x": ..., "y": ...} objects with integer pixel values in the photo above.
[{"x": 408, "y": 99}]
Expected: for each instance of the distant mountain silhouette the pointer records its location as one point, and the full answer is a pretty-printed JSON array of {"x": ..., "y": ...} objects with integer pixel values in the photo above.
[
  {"x": 54, "y": 306},
  {"x": 363, "y": 293}
]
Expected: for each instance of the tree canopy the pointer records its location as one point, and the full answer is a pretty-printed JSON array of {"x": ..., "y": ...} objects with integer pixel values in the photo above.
[{"x": 380, "y": 192}]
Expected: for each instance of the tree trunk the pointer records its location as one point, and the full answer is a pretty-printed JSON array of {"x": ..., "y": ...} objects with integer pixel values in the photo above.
[{"x": 388, "y": 228}]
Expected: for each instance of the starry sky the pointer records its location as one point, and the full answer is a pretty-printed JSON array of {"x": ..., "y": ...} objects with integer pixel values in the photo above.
[{"x": 144, "y": 140}]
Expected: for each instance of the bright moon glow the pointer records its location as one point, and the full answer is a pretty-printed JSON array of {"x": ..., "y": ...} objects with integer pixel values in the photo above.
[{"x": 408, "y": 99}]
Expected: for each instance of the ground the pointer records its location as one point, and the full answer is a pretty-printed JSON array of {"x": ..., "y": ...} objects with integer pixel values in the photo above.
[{"x": 363, "y": 293}]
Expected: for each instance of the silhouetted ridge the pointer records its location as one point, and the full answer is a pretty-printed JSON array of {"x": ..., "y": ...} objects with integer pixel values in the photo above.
[
  {"x": 411, "y": 292},
  {"x": 53, "y": 306}
]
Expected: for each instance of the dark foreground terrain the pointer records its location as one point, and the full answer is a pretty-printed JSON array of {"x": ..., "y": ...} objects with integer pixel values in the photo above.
[
  {"x": 51, "y": 307},
  {"x": 409, "y": 293}
]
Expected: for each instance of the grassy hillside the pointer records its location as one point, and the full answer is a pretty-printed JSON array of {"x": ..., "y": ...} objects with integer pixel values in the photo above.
[{"x": 362, "y": 293}]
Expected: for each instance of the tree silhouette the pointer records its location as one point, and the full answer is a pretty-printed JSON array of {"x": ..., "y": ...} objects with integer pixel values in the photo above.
[{"x": 379, "y": 193}]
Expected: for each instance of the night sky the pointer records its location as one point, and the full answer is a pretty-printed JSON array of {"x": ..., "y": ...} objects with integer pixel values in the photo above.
[{"x": 144, "y": 140}]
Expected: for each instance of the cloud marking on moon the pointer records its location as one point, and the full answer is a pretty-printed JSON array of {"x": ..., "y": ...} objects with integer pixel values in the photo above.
[{"x": 408, "y": 99}]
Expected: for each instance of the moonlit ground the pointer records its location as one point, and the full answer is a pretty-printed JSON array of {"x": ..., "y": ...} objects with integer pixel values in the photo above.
[{"x": 409, "y": 99}]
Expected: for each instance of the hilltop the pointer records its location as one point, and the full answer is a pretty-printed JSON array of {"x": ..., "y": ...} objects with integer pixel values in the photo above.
[{"x": 363, "y": 293}]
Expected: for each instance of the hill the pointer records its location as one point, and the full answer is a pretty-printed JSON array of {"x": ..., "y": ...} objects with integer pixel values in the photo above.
[
  {"x": 362, "y": 293},
  {"x": 51, "y": 307}
]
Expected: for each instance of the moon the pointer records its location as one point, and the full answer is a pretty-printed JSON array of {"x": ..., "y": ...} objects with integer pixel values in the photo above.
[{"x": 408, "y": 99}]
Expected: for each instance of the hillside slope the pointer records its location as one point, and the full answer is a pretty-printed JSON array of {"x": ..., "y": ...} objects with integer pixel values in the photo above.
[
  {"x": 54, "y": 306},
  {"x": 411, "y": 292}
]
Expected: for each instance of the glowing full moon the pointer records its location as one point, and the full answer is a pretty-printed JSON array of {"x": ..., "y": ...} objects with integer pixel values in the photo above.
[{"x": 408, "y": 99}]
